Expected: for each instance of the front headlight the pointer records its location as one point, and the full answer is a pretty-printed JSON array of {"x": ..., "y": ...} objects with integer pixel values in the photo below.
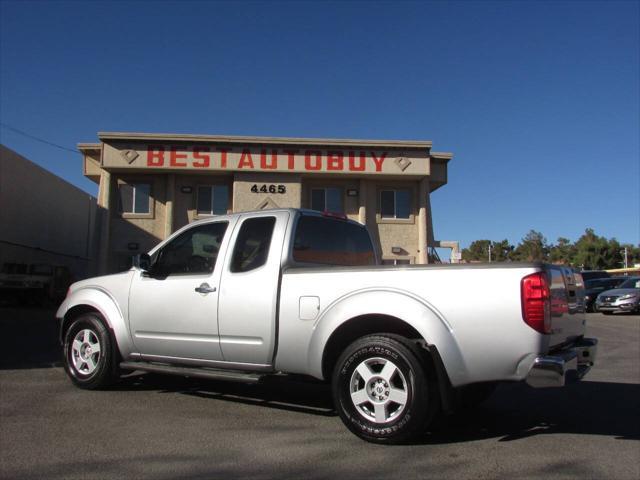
[{"x": 628, "y": 296}]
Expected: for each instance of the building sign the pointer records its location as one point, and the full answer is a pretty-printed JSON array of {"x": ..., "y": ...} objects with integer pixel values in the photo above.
[{"x": 299, "y": 160}]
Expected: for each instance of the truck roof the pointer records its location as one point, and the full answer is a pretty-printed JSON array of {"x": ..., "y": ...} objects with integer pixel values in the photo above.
[{"x": 303, "y": 211}]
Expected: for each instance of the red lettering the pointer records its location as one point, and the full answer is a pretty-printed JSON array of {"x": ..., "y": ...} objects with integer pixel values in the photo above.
[
  {"x": 352, "y": 162},
  {"x": 335, "y": 160},
  {"x": 155, "y": 158},
  {"x": 223, "y": 157},
  {"x": 291, "y": 158},
  {"x": 317, "y": 155},
  {"x": 174, "y": 156},
  {"x": 245, "y": 159},
  {"x": 263, "y": 160},
  {"x": 378, "y": 161},
  {"x": 198, "y": 155}
]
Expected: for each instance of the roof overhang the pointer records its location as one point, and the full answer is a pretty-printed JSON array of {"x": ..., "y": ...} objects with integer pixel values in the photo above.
[{"x": 234, "y": 139}]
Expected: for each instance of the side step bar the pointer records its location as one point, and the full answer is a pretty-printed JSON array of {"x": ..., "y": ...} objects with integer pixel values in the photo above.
[{"x": 225, "y": 375}]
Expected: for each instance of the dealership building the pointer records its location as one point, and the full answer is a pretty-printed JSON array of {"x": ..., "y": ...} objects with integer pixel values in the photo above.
[{"x": 152, "y": 184}]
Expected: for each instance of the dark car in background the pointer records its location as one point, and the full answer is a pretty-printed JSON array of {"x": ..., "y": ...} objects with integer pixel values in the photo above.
[
  {"x": 593, "y": 274},
  {"x": 596, "y": 286},
  {"x": 624, "y": 298}
]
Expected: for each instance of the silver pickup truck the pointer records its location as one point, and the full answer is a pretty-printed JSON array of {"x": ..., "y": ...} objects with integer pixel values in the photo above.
[{"x": 241, "y": 296}]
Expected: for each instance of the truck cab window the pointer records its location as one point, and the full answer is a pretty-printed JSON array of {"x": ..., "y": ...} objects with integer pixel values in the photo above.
[
  {"x": 332, "y": 242},
  {"x": 252, "y": 245},
  {"x": 192, "y": 252}
]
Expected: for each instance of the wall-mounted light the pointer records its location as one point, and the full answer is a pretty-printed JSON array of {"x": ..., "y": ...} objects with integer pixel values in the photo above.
[
  {"x": 352, "y": 192},
  {"x": 133, "y": 245},
  {"x": 186, "y": 189},
  {"x": 396, "y": 250}
]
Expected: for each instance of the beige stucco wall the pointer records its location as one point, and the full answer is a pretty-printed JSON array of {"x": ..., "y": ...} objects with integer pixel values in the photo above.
[
  {"x": 245, "y": 200},
  {"x": 126, "y": 229},
  {"x": 393, "y": 233}
]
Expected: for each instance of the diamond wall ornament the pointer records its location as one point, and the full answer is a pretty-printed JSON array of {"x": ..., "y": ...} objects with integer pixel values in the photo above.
[
  {"x": 402, "y": 163},
  {"x": 129, "y": 155},
  {"x": 266, "y": 204}
]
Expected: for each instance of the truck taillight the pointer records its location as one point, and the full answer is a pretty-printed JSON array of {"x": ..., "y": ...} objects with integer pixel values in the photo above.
[{"x": 536, "y": 310}]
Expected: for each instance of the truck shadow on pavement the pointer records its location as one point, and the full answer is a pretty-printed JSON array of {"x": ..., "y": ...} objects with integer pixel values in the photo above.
[
  {"x": 29, "y": 338},
  {"x": 515, "y": 411}
]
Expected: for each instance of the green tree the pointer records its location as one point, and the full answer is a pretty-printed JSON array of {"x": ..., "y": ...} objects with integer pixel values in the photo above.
[
  {"x": 533, "y": 247},
  {"x": 502, "y": 251},
  {"x": 478, "y": 251},
  {"x": 562, "y": 252},
  {"x": 597, "y": 253}
]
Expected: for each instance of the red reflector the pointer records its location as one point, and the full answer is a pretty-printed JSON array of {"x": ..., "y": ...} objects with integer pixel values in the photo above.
[{"x": 535, "y": 302}]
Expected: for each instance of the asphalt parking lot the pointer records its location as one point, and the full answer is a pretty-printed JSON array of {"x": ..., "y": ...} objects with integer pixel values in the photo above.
[{"x": 173, "y": 428}]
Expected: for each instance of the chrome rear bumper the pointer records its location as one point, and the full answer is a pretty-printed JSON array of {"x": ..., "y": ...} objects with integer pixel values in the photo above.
[{"x": 572, "y": 363}]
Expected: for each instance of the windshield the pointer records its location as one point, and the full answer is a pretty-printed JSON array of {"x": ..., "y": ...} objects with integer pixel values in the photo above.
[{"x": 631, "y": 283}]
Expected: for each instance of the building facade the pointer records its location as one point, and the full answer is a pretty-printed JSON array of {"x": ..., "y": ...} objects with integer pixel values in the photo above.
[
  {"x": 153, "y": 184},
  {"x": 44, "y": 219}
]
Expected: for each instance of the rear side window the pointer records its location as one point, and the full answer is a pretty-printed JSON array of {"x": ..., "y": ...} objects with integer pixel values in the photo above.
[
  {"x": 331, "y": 242},
  {"x": 252, "y": 245}
]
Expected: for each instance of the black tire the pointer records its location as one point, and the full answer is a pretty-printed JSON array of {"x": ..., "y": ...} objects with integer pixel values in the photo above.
[
  {"x": 408, "y": 378},
  {"x": 87, "y": 368}
]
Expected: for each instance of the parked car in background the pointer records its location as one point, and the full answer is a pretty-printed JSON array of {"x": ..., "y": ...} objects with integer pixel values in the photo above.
[
  {"x": 593, "y": 274},
  {"x": 596, "y": 286},
  {"x": 36, "y": 283},
  {"x": 625, "y": 298}
]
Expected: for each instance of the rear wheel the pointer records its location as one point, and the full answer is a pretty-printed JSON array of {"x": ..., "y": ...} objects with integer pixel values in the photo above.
[
  {"x": 89, "y": 353},
  {"x": 383, "y": 390}
]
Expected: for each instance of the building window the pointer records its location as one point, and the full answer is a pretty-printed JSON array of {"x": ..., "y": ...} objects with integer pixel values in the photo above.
[
  {"x": 213, "y": 199},
  {"x": 327, "y": 199},
  {"x": 135, "y": 198},
  {"x": 395, "y": 204},
  {"x": 396, "y": 261}
]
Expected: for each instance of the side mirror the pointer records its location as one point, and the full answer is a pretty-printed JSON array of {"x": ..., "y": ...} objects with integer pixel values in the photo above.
[{"x": 141, "y": 261}]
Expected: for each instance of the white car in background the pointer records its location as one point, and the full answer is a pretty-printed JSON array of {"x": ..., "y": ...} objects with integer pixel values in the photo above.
[{"x": 625, "y": 298}]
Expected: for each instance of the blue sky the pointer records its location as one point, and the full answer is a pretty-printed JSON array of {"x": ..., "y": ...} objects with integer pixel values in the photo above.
[{"x": 538, "y": 101}]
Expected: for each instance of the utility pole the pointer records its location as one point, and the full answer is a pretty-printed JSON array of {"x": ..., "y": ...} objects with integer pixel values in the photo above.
[
  {"x": 489, "y": 252},
  {"x": 626, "y": 257}
]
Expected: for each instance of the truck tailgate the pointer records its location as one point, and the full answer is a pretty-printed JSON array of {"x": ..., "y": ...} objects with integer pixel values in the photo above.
[{"x": 568, "y": 317}]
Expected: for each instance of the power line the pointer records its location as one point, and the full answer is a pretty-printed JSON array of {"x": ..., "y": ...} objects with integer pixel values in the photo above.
[{"x": 37, "y": 139}]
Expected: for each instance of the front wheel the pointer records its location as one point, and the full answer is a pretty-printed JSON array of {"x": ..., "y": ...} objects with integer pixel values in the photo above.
[
  {"x": 383, "y": 390},
  {"x": 89, "y": 356}
]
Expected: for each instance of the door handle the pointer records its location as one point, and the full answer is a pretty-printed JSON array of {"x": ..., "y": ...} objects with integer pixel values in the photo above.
[{"x": 205, "y": 288}]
